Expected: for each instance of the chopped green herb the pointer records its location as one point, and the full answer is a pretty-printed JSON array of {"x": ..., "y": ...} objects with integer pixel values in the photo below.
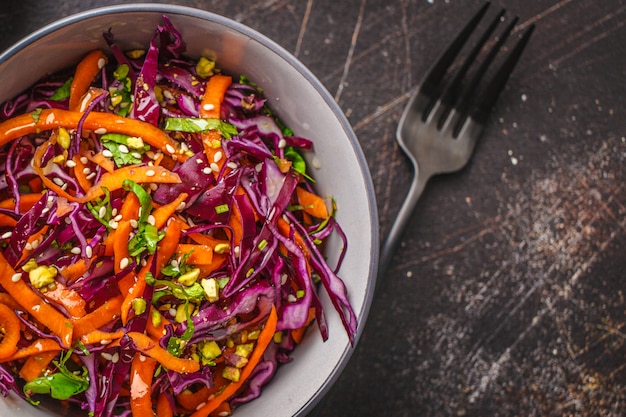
[
  {"x": 62, "y": 92},
  {"x": 197, "y": 125}
]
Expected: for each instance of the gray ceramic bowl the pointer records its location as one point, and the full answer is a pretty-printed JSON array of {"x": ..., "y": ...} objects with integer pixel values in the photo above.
[{"x": 302, "y": 102}]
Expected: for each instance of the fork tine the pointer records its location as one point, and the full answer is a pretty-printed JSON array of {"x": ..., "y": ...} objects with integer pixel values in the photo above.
[
  {"x": 453, "y": 91},
  {"x": 431, "y": 84},
  {"x": 481, "y": 109}
]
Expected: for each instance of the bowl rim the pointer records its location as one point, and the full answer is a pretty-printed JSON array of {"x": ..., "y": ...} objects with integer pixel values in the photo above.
[{"x": 230, "y": 23}]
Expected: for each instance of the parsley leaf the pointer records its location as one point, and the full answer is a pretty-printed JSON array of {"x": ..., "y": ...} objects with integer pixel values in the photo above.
[
  {"x": 197, "y": 124},
  {"x": 62, "y": 92}
]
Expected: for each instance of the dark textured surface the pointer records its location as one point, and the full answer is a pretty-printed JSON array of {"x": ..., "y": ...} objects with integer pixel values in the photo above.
[{"x": 507, "y": 297}]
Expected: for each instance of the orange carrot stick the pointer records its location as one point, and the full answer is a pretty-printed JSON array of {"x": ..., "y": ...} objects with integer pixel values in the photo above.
[
  {"x": 163, "y": 213},
  {"x": 34, "y": 304},
  {"x": 27, "y": 201},
  {"x": 106, "y": 313},
  {"x": 74, "y": 271},
  {"x": 68, "y": 298},
  {"x": 141, "y": 374},
  {"x": 312, "y": 203},
  {"x": 35, "y": 365},
  {"x": 265, "y": 338},
  {"x": 163, "y": 407},
  {"x": 48, "y": 119},
  {"x": 37, "y": 347},
  {"x": 84, "y": 75},
  {"x": 101, "y": 337},
  {"x": 199, "y": 254},
  {"x": 214, "y": 95},
  {"x": 10, "y": 328},
  {"x": 151, "y": 348},
  {"x": 120, "y": 244}
]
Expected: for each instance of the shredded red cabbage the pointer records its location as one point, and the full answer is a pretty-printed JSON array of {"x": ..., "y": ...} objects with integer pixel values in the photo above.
[{"x": 211, "y": 312}]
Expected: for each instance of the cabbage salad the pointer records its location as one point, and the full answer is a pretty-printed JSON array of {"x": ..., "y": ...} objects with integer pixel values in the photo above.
[{"x": 160, "y": 237}]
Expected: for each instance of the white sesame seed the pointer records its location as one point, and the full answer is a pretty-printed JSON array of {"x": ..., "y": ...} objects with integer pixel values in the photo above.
[
  {"x": 89, "y": 251},
  {"x": 70, "y": 164},
  {"x": 107, "y": 153},
  {"x": 150, "y": 173},
  {"x": 28, "y": 246},
  {"x": 124, "y": 263},
  {"x": 218, "y": 156},
  {"x": 84, "y": 160},
  {"x": 102, "y": 212},
  {"x": 35, "y": 244},
  {"x": 173, "y": 311},
  {"x": 207, "y": 170},
  {"x": 106, "y": 356},
  {"x": 116, "y": 357},
  {"x": 58, "y": 181},
  {"x": 153, "y": 186},
  {"x": 136, "y": 155},
  {"x": 174, "y": 263},
  {"x": 101, "y": 63},
  {"x": 203, "y": 403},
  {"x": 258, "y": 167},
  {"x": 142, "y": 358},
  {"x": 64, "y": 187},
  {"x": 181, "y": 206},
  {"x": 114, "y": 212},
  {"x": 123, "y": 148},
  {"x": 282, "y": 143},
  {"x": 144, "y": 262},
  {"x": 16, "y": 277},
  {"x": 184, "y": 147},
  {"x": 100, "y": 131},
  {"x": 215, "y": 167},
  {"x": 169, "y": 148},
  {"x": 199, "y": 161},
  {"x": 232, "y": 165},
  {"x": 75, "y": 251},
  {"x": 113, "y": 224},
  {"x": 45, "y": 210},
  {"x": 7, "y": 235},
  {"x": 151, "y": 220},
  {"x": 133, "y": 223},
  {"x": 168, "y": 94},
  {"x": 91, "y": 176},
  {"x": 208, "y": 107},
  {"x": 105, "y": 341},
  {"x": 86, "y": 171}
]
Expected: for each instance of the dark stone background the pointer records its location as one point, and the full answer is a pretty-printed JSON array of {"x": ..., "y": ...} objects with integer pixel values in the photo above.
[{"x": 507, "y": 295}]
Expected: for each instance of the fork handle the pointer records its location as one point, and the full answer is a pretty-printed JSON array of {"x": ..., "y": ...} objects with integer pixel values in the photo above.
[{"x": 402, "y": 218}]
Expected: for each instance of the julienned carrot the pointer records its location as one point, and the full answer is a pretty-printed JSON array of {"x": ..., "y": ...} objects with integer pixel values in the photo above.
[
  {"x": 37, "y": 347},
  {"x": 35, "y": 365},
  {"x": 214, "y": 95},
  {"x": 265, "y": 338},
  {"x": 8, "y": 301},
  {"x": 84, "y": 75},
  {"x": 163, "y": 213},
  {"x": 141, "y": 374},
  {"x": 79, "y": 173},
  {"x": 27, "y": 201},
  {"x": 312, "y": 203},
  {"x": 34, "y": 304},
  {"x": 106, "y": 313},
  {"x": 139, "y": 174},
  {"x": 10, "y": 328},
  {"x": 101, "y": 337},
  {"x": 203, "y": 239},
  {"x": 163, "y": 406},
  {"x": 7, "y": 221},
  {"x": 48, "y": 119},
  {"x": 70, "y": 299},
  {"x": 130, "y": 207},
  {"x": 76, "y": 270},
  {"x": 99, "y": 159},
  {"x": 155, "y": 327},
  {"x": 150, "y": 347},
  {"x": 198, "y": 254},
  {"x": 120, "y": 245}
]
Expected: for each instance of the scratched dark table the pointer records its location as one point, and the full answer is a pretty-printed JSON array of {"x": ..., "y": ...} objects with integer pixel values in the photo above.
[{"x": 507, "y": 295}]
